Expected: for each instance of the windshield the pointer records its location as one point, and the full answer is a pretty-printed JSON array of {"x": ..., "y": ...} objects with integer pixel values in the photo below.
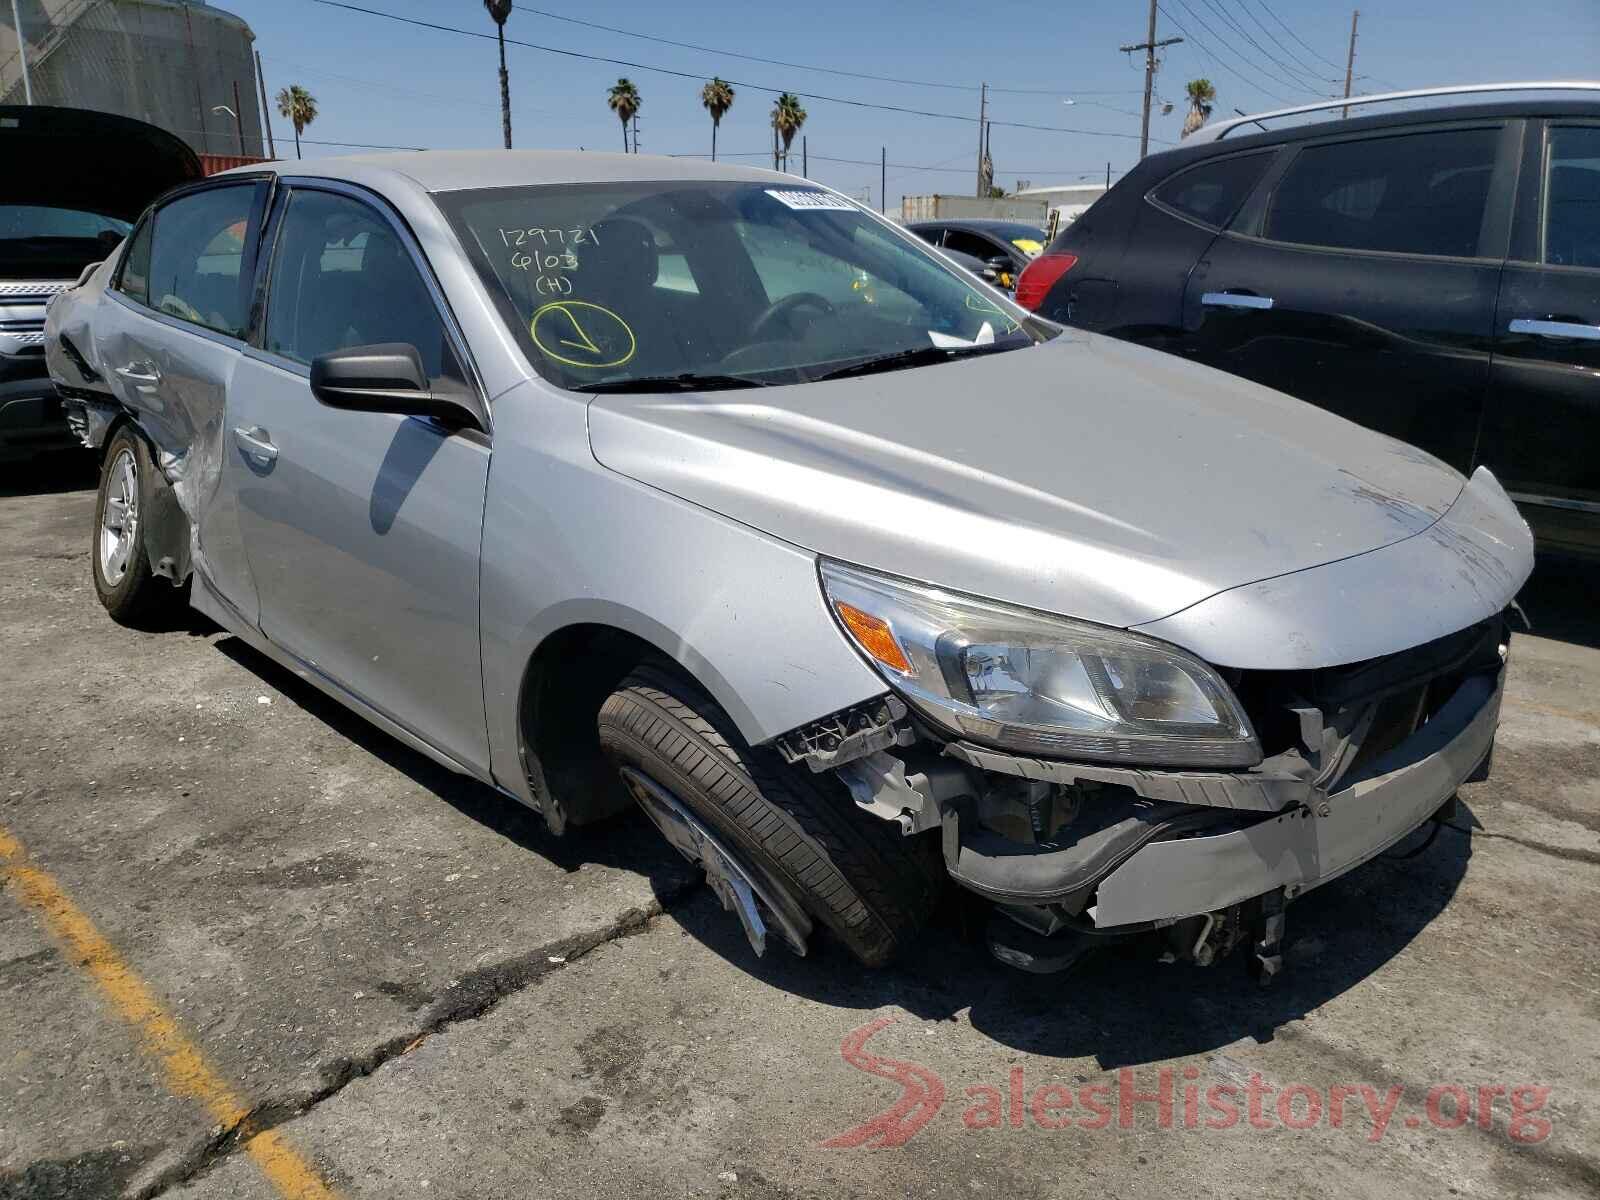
[
  {"x": 730, "y": 284},
  {"x": 39, "y": 242}
]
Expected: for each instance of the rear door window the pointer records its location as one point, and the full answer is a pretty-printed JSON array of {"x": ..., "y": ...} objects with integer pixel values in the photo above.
[
  {"x": 974, "y": 244},
  {"x": 1419, "y": 193},
  {"x": 198, "y": 258},
  {"x": 1213, "y": 191},
  {"x": 1572, "y": 197}
]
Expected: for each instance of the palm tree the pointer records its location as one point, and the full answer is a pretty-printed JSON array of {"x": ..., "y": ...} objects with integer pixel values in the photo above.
[
  {"x": 499, "y": 10},
  {"x": 1202, "y": 98},
  {"x": 717, "y": 96},
  {"x": 787, "y": 118},
  {"x": 625, "y": 101},
  {"x": 300, "y": 106}
]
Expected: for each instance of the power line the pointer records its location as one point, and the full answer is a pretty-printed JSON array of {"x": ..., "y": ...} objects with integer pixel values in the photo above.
[
  {"x": 1298, "y": 38},
  {"x": 756, "y": 87},
  {"x": 1292, "y": 84},
  {"x": 1209, "y": 53},
  {"x": 1289, "y": 72},
  {"x": 778, "y": 62},
  {"x": 1311, "y": 68}
]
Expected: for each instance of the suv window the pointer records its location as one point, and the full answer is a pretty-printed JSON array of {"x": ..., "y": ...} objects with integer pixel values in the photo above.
[
  {"x": 196, "y": 258},
  {"x": 342, "y": 277},
  {"x": 1572, "y": 197},
  {"x": 1212, "y": 192},
  {"x": 1419, "y": 193},
  {"x": 133, "y": 277}
]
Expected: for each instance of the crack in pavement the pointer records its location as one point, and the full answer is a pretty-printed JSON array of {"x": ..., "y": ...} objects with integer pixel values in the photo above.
[
  {"x": 472, "y": 995},
  {"x": 1566, "y": 853},
  {"x": 1578, "y": 1168}
]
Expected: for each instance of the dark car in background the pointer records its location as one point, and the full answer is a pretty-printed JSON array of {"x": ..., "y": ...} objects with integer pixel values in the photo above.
[
  {"x": 72, "y": 185},
  {"x": 1004, "y": 247},
  {"x": 1433, "y": 274}
]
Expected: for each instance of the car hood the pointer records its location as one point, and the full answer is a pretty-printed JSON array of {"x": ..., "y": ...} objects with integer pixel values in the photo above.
[
  {"x": 91, "y": 161},
  {"x": 1084, "y": 476}
]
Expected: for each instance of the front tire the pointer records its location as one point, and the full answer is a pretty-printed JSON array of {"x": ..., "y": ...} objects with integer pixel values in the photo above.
[
  {"x": 800, "y": 834},
  {"x": 122, "y": 577}
]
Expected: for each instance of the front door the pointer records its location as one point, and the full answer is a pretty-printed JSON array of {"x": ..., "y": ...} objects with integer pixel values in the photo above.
[
  {"x": 362, "y": 529},
  {"x": 1364, "y": 281},
  {"x": 1541, "y": 434}
]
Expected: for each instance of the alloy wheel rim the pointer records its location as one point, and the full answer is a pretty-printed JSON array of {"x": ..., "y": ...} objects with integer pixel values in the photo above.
[
  {"x": 760, "y": 902},
  {"x": 119, "y": 518}
]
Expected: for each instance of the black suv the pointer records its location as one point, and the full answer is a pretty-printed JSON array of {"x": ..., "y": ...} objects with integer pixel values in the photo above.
[{"x": 1431, "y": 274}]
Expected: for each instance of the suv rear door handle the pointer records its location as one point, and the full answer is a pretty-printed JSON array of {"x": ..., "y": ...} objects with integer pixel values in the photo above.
[
  {"x": 1235, "y": 300},
  {"x": 1556, "y": 329},
  {"x": 256, "y": 442}
]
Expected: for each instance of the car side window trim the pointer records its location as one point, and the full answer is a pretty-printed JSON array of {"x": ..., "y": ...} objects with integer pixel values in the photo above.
[
  {"x": 1494, "y": 231},
  {"x": 288, "y": 185},
  {"x": 248, "y": 265},
  {"x": 1530, "y": 231},
  {"x": 1269, "y": 173}
]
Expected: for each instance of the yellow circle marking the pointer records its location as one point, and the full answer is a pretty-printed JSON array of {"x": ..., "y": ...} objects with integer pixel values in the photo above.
[{"x": 575, "y": 336}]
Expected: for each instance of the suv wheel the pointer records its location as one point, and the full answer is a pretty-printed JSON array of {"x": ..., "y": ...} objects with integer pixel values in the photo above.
[{"x": 781, "y": 849}]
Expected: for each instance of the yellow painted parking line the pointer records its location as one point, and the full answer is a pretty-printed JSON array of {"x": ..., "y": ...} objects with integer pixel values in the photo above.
[{"x": 183, "y": 1066}]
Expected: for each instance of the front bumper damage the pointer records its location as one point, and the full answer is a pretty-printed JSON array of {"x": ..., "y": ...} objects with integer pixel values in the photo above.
[{"x": 1374, "y": 751}]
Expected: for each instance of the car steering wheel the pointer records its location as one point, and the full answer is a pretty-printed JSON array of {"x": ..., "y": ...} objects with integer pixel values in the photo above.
[{"x": 762, "y": 328}]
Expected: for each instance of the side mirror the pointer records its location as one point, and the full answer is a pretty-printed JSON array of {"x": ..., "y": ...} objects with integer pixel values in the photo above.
[{"x": 385, "y": 378}]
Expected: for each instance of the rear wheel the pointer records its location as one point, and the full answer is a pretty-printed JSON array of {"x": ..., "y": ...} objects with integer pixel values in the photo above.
[
  {"x": 782, "y": 849},
  {"x": 122, "y": 577}
]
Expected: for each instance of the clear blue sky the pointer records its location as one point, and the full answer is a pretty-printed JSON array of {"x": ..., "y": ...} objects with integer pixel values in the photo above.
[{"x": 378, "y": 81}]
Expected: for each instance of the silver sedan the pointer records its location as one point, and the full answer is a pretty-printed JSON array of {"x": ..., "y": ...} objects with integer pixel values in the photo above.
[{"x": 613, "y": 480}]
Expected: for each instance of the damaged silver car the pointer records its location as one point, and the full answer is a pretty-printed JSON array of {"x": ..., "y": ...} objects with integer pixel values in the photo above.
[{"x": 611, "y": 480}]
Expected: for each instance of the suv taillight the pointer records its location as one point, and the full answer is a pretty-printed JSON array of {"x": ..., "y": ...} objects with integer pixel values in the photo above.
[{"x": 1039, "y": 276}]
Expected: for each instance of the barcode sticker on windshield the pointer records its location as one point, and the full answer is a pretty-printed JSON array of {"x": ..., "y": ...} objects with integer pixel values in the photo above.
[{"x": 801, "y": 201}]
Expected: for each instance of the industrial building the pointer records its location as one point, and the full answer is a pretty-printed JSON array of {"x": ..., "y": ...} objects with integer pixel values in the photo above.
[{"x": 181, "y": 64}]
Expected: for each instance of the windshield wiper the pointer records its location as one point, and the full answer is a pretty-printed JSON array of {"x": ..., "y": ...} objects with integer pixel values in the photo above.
[
  {"x": 921, "y": 356},
  {"x": 686, "y": 382}
]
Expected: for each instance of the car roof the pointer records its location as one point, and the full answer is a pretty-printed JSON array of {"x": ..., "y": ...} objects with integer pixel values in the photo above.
[
  {"x": 981, "y": 224},
  {"x": 462, "y": 170},
  {"x": 1237, "y": 140}
]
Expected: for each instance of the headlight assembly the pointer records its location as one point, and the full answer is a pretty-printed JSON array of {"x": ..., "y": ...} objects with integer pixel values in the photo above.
[{"x": 1038, "y": 684}]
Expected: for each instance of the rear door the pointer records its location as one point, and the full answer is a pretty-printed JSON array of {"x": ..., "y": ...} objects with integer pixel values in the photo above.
[
  {"x": 1136, "y": 291},
  {"x": 362, "y": 529},
  {"x": 1541, "y": 434},
  {"x": 1363, "y": 277},
  {"x": 172, "y": 332}
]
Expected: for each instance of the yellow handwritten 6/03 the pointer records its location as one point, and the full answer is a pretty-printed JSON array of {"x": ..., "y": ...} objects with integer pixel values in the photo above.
[{"x": 581, "y": 334}]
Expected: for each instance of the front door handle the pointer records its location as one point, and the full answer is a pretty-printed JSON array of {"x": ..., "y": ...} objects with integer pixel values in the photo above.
[
  {"x": 1235, "y": 300},
  {"x": 140, "y": 373},
  {"x": 256, "y": 442},
  {"x": 1556, "y": 329}
]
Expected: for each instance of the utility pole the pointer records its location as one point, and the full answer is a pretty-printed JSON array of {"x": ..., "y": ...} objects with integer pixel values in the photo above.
[
  {"x": 22, "y": 53},
  {"x": 266, "y": 115},
  {"x": 983, "y": 121},
  {"x": 238, "y": 118},
  {"x": 1149, "y": 46},
  {"x": 636, "y": 131},
  {"x": 1108, "y": 177},
  {"x": 1350, "y": 63},
  {"x": 883, "y": 179}
]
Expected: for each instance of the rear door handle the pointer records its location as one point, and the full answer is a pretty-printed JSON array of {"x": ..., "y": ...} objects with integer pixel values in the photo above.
[
  {"x": 256, "y": 442},
  {"x": 1235, "y": 300},
  {"x": 1556, "y": 329},
  {"x": 133, "y": 374}
]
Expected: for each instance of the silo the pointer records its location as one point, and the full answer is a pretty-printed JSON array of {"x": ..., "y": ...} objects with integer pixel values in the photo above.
[{"x": 169, "y": 62}]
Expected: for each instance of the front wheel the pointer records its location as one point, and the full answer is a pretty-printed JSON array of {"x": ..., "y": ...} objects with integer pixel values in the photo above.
[{"x": 780, "y": 848}]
